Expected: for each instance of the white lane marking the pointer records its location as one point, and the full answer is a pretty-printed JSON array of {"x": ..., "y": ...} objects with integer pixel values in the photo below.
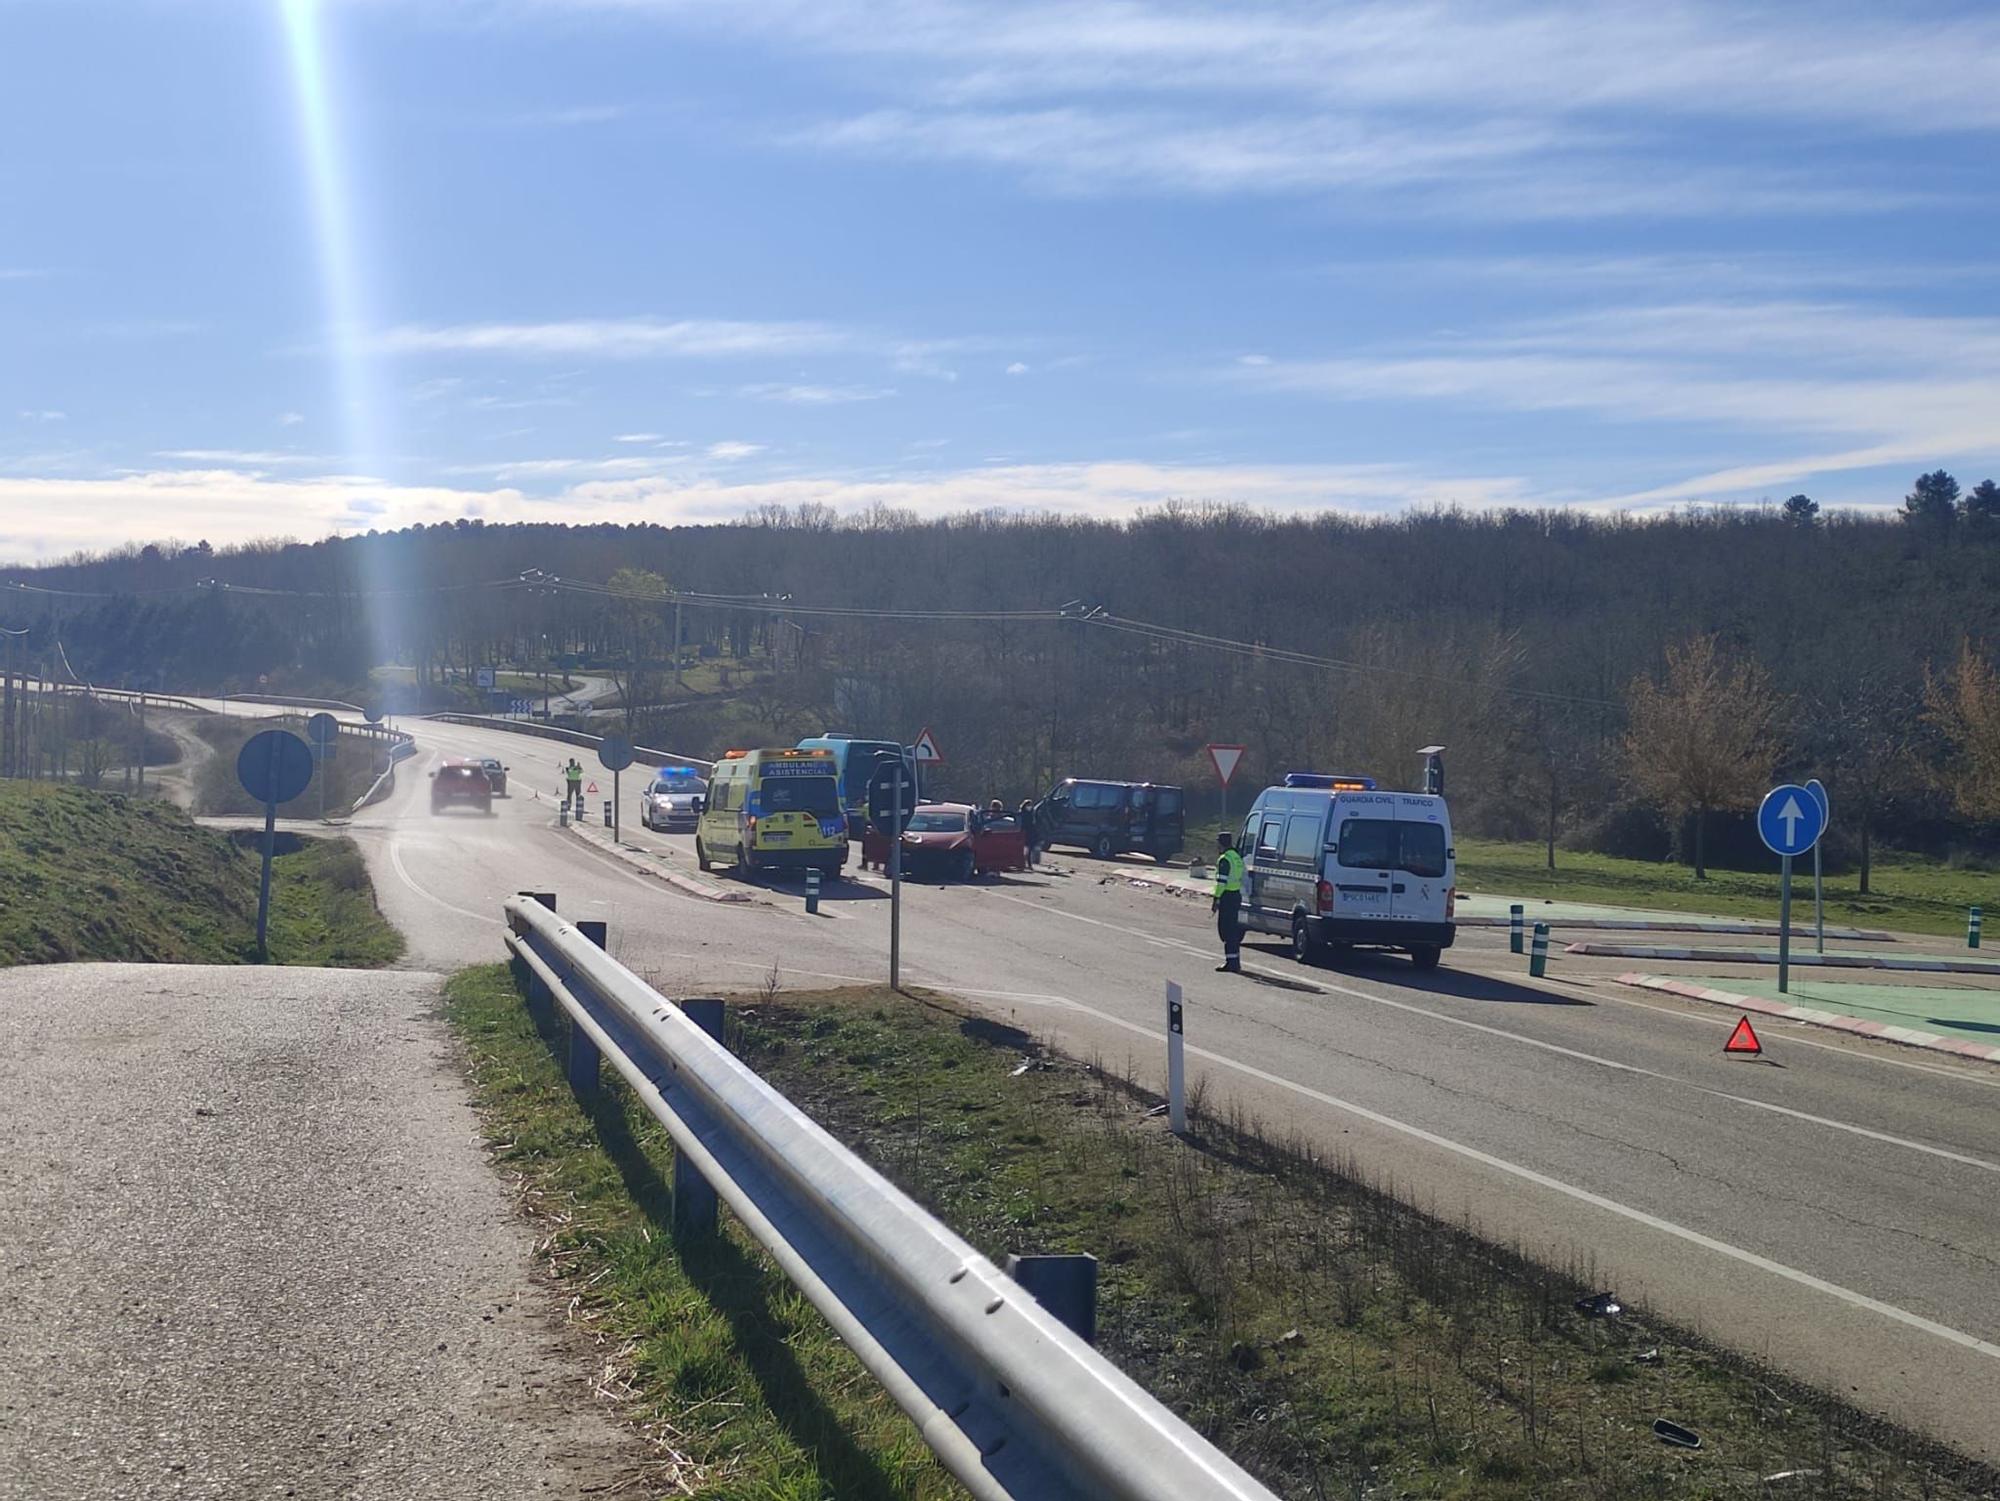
[
  {"x": 403, "y": 875},
  {"x": 1573, "y": 1191},
  {"x": 1327, "y": 987}
]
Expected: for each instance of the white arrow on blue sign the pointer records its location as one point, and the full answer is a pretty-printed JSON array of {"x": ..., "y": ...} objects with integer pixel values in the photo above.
[{"x": 1790, "y": 820}]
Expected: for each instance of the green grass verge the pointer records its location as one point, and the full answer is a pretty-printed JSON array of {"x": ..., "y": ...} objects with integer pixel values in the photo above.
[
  {"x": 1910, "y": 895},
  {"x": 746, "y": 1391},
  {"x": 1332, "y": 1340},
  {"x": 356, "y": 764},
  {"x": 100, "y": 875}
]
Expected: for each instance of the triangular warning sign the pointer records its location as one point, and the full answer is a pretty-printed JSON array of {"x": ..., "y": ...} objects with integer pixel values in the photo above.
[
  {"x": 1743, "y": 1040},
  {"x": 1225, "y": 758},
  {"x": 591, "y": 788},
  {"x": 926, "y": 750}
]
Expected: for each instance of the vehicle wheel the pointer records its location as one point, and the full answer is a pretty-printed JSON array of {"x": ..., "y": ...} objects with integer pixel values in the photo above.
[
  {"x": 967, "y": 867},
  {"x": 1102, "y": 849},
  {"x": 1304, "y": 948},
  {"x": 700, "y": 854},
  {"x": 1426, "y": 956}
]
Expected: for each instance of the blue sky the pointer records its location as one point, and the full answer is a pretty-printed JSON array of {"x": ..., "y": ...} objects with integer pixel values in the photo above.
[{"x": 286, "y": 268}]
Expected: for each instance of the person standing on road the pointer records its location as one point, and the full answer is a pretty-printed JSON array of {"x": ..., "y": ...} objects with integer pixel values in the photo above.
[
  {"x": 573, "y": 778},
  {"x": 1026, "y": 814},
  {"x": 1228, "y": 904}
]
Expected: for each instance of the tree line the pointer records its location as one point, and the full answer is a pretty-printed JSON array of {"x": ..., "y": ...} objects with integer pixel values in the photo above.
[{"x": 1613, "y": 682}]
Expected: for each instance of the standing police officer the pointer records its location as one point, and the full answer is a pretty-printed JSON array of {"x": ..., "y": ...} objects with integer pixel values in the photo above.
[{"x": 1228, "y": 904}]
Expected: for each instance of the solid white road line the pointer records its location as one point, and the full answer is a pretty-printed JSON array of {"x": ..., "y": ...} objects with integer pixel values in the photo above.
[{"x": 1327, "y": 987}]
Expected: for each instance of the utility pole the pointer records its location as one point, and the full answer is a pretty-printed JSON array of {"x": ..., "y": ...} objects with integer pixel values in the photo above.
[{"x": 7, "y": 708}]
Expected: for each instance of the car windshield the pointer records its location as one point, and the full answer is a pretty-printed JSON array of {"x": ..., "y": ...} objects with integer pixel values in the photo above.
[
  {"x": 799, "y": 795},
  {"x": 937, "y": 823},
  {"x": 679, "y": 787}
]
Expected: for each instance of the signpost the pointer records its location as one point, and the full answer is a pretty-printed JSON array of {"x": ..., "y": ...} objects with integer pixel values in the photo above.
[
  {"x": 482, "y": 677},
  {"x": 323, "y": 730},
  {"x": 614, "y": 753},
  {"x": 1818, "y": 789},
  {"x": 1226, "y": 758},
  {"x": 1789, "y": 821},
  {"x": 892, "y": 798},
  {"x": 274, "y": 767}
]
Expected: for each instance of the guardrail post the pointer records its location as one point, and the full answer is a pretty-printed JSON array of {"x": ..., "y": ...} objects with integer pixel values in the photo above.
[
  {"x": 1065, "y": 1285},
  {"x": 1538, "y": 957},
  {"x": 583, "y": 1054},
  {"x": 1972, "y": 929},
  {"x": 1515, "y": 918},
  {"x": 694, "y": 1196}
]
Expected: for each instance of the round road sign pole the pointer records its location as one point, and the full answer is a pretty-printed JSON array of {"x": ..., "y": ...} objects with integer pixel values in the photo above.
[
  {"x": 1785, "y": 924},
  {"x": 270, "y": 837},
  {"x": 896, "y": 879}
]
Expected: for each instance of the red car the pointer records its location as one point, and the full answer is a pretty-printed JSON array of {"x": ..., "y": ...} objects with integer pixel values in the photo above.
[
  {"x": 459, "y": 781},
  {"x": 953, "y": 840}
]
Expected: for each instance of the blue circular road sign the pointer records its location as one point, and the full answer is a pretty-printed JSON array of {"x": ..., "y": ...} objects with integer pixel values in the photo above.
[
  {"x": 1790, "y": 819},
  {"x": 614, "y": 753},
  {"x": 323, "y": 729},
  {"x": 274, "y": 766}
]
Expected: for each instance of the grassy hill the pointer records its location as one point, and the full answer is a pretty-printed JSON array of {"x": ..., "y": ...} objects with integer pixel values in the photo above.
[{"x": 99, "y": 875}]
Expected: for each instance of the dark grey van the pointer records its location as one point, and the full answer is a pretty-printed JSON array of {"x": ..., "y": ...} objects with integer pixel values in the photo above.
[{"x": 1112, "y": 818}]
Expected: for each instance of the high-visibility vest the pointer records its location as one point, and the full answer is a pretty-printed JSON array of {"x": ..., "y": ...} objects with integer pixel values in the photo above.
[{"x": 1228, "y": 872}]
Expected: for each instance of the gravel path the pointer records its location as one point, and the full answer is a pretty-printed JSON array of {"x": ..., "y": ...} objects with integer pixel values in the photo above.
[{"x": 250, "y": 1246}]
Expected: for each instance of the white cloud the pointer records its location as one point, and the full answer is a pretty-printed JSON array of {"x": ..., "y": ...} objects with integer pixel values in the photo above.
[
  {"x": 811, "y": 395},
  {"x": 290, "y": 419},
  {"x": 30, "y": 414},
  {"x": 210, "y": 457},
  {"x": 23, "y": 273},
  {"x": 730, "y": 450},
  {"x": 1017, "y": 368},
  {"x": 613, "y": 338},
  {"x": 637, "y": 438},
  {"x": 573, "y": 115},
  {"x": 529, "y": 469}
]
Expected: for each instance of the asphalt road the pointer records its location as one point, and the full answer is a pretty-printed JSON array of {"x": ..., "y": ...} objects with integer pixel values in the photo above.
[
  {"x": 1829, "y": 1209},
  {"x": 252, "y": 1246}
]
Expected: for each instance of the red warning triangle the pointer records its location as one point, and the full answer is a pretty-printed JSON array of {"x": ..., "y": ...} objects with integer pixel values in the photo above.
[
  {"x": 591, "y": 788},
  {"x": 1743, "y": 1039}
]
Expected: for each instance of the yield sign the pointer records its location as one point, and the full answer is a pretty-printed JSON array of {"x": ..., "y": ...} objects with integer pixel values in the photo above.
[
  {"x": 927, "y": 751},
  {"x": 1225, "y": 758},
  {"x": 1743, "y": 1040}
]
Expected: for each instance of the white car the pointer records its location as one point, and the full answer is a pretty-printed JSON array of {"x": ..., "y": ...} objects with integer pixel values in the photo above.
[{"x": 673, "y": 802}]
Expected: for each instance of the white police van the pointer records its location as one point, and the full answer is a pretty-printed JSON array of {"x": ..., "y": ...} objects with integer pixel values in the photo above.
[{"x": 1334, "y": 863}]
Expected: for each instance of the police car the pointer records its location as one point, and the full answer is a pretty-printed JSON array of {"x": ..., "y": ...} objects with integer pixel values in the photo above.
[{"x": 1334, "y": 862}]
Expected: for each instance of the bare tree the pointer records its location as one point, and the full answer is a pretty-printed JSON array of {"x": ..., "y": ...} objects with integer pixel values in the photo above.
[
  {"x": 1703, "y": 740},
  {"x": 1964, "y": 705},
  {"x": 636, "y": 631},
  {"x": 1868, "y": 733}
]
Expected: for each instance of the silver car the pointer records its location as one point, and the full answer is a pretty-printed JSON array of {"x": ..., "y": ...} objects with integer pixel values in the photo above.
[{"x": 673, "y": 803}]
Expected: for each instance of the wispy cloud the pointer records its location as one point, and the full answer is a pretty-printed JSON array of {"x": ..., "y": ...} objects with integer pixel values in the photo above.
[
  {"x": 1017, "y": 368},
  {"x": 24, "y": 273},
  {"x": 31, "y": 414},
  {"x": 574, "y": 115},
  {"x": 290, "y": 419},
  {"x": 249, "y": 458},
  {"x": 812, "y": 395},
  {"x": 731, "y": 450},
  {"x": 612, "y": 338},
  {"x": 638, "y": 438},
  {"x": 511, "y": 470}
]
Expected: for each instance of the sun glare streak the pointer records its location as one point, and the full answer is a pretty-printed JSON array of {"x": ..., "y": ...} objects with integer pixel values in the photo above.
[{"x": 339, "y": 252}]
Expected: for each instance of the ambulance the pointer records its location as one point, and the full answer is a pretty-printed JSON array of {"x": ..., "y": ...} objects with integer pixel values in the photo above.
[
  {"x": 773, "y": 809},
  {"x": 1335, "y": 863}
]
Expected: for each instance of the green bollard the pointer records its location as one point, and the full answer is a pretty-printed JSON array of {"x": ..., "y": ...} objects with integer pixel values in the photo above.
[
  {"x": 1515, "y": 916},
  {"x": 1538, "y": 957},
  {"x": 1972, "y": 930}
]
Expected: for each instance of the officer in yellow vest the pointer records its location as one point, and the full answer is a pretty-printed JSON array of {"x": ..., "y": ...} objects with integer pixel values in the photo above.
[{"x": 1228, "y": 904}]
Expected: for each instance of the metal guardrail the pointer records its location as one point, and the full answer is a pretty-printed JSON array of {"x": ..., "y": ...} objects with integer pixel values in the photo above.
[
  {"x": 1016, "y": 1406},
  {"x": 289, "y": 701},
  {"x": 640, "y": 753}
]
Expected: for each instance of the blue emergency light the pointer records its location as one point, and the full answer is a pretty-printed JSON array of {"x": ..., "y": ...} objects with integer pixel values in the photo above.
[{"x": 1329, "y": 780}]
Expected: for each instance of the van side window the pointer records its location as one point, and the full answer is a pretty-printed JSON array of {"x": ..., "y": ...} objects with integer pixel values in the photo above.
[
  {"x": 1368, "y": 842},
  {"x": 1170, "y": 800},
  {"x": 1302, "y": 836},
  {"x": 1268, "y": 836}
]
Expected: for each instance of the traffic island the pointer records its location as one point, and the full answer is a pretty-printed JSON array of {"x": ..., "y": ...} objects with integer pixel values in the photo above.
[
  {"x": 1948, "y": 1019},
  {"x": 1936, "y": 964}
]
